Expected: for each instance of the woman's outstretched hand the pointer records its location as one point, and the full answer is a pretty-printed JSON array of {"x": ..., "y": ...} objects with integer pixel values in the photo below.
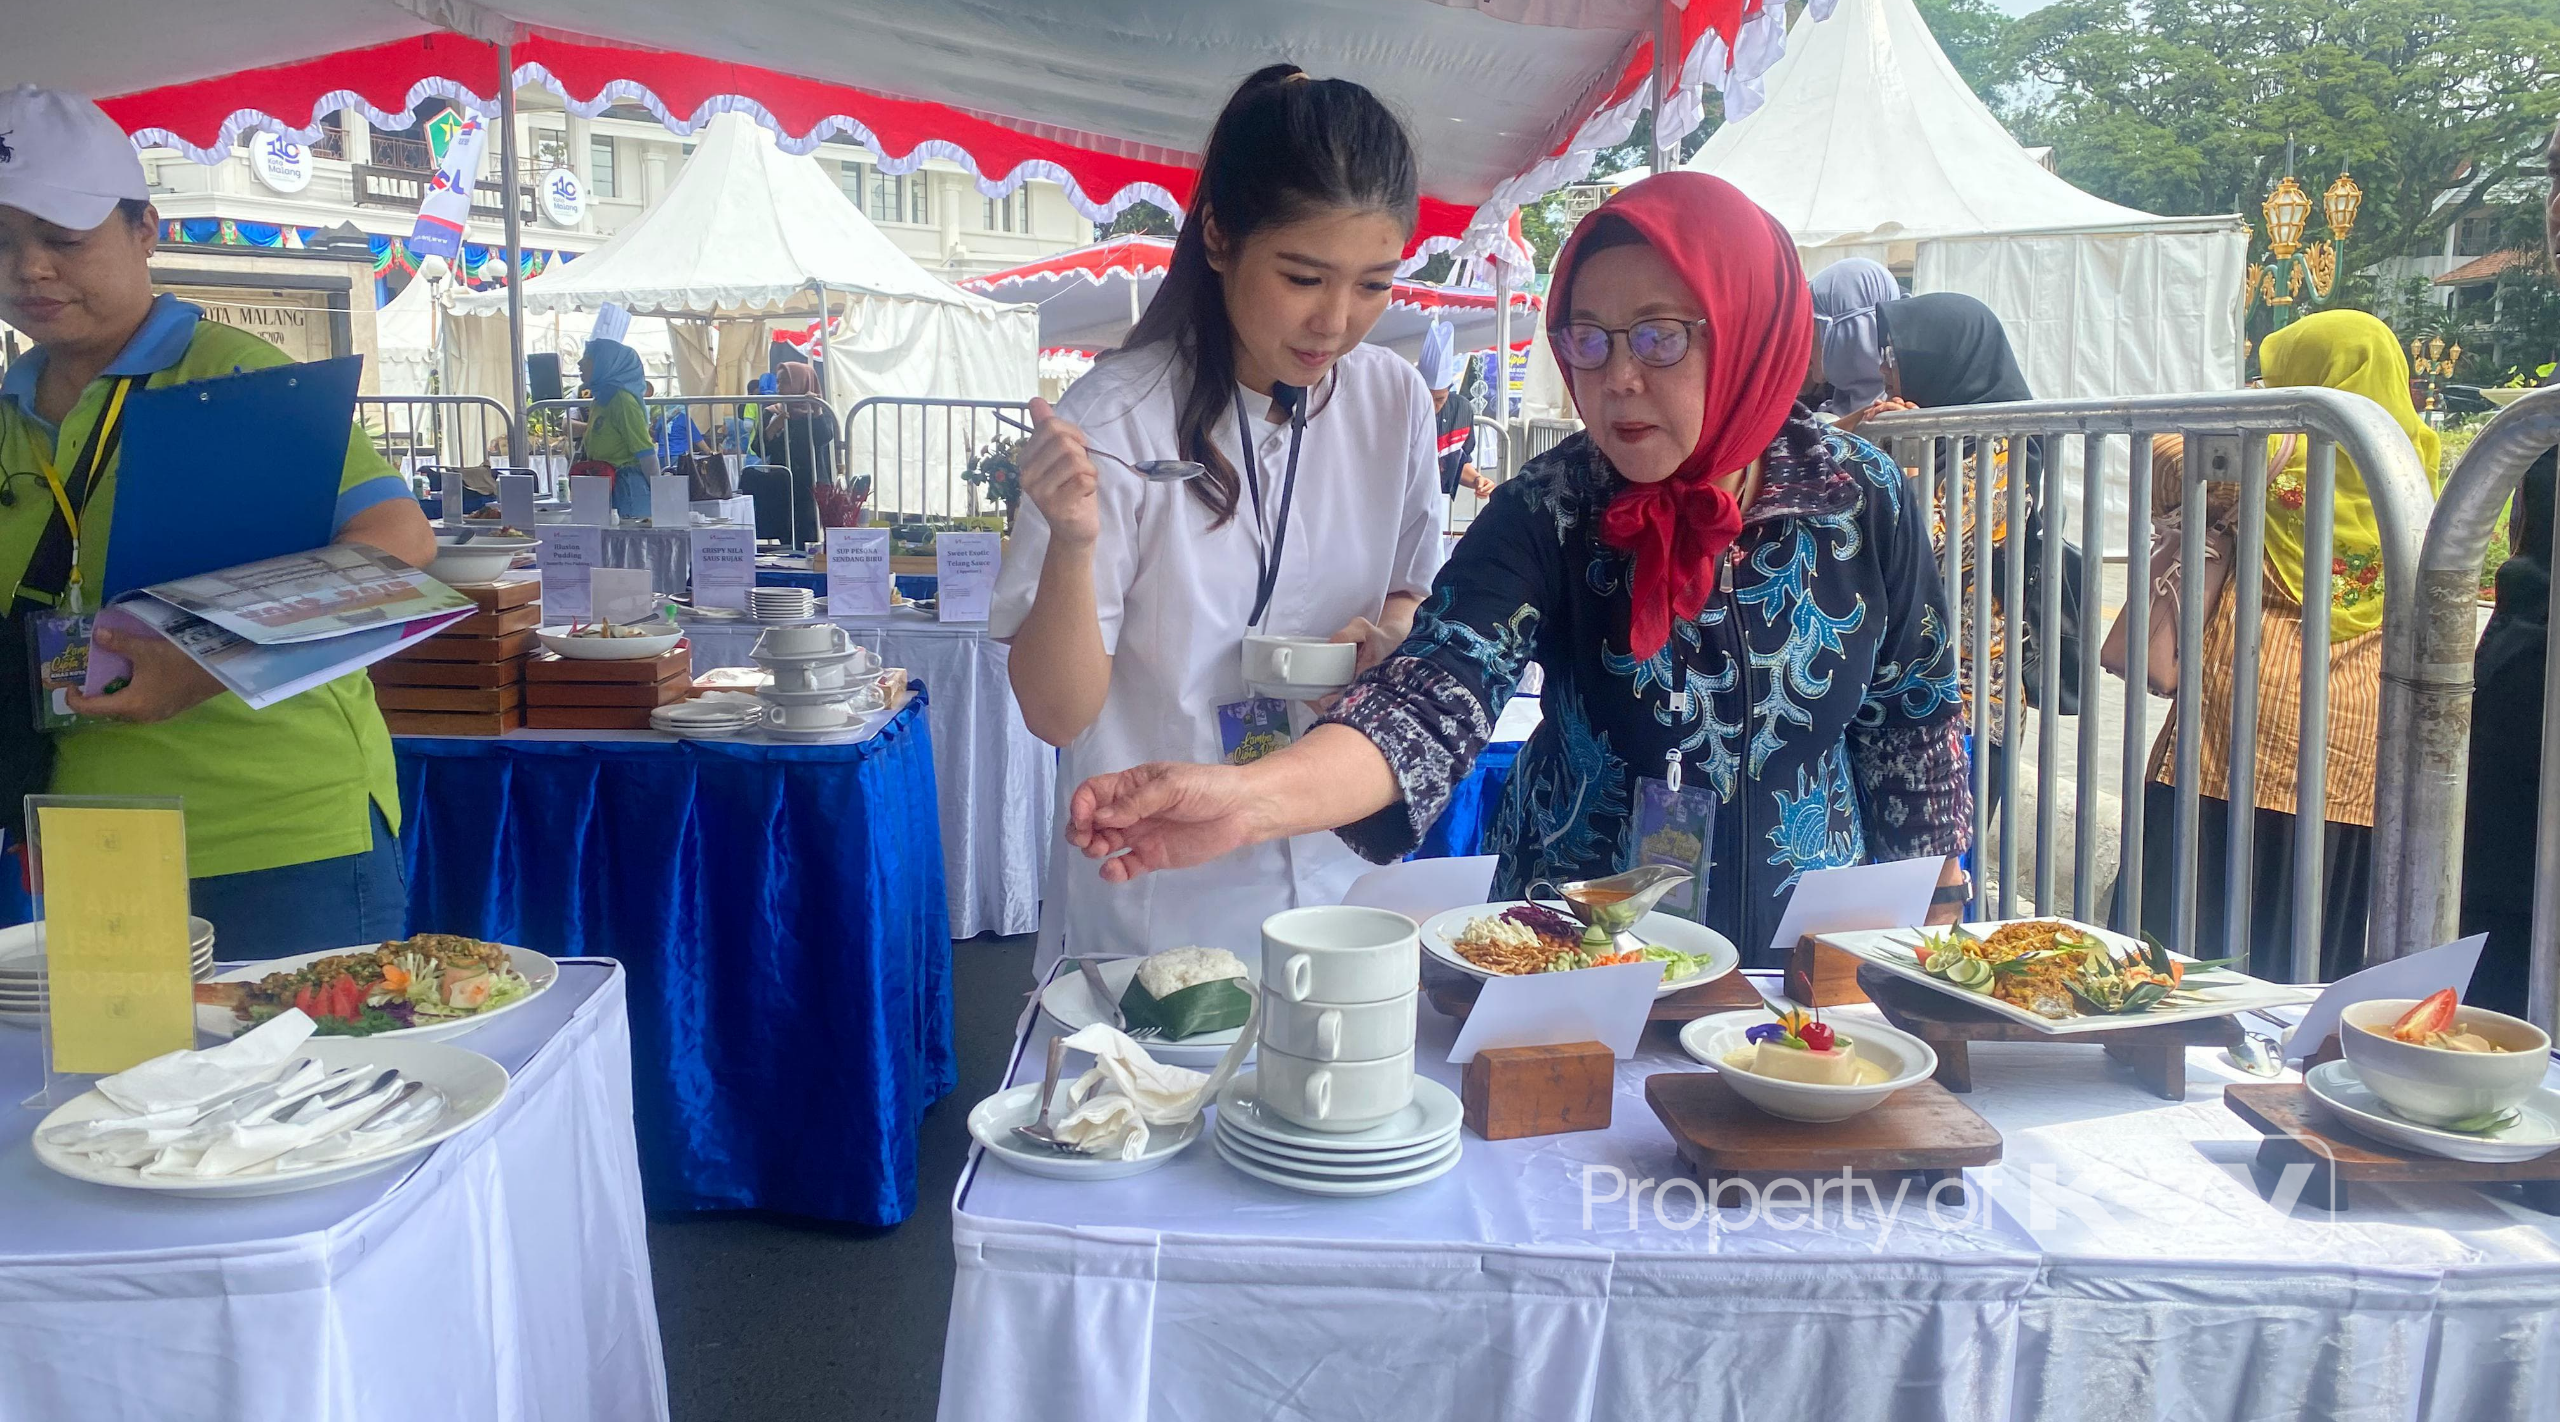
[{"x": 1164, "y": 815}]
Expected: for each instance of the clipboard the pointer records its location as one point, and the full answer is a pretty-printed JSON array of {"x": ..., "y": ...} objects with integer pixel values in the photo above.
[{"x": 216, "y": 473}]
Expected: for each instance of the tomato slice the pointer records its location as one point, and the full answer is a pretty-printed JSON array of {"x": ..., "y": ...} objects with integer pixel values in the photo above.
[{"x": 2429, "y": 1017}]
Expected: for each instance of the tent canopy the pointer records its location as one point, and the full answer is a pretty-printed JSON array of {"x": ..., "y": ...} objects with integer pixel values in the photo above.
[
  {"x": 745, "y": 229},
  {"x": 1871, "y": 137},
  {"x": 748, "y": 232},
  {"x": 1508, "y": 99},
  {"x": 1088, "y": 299}
]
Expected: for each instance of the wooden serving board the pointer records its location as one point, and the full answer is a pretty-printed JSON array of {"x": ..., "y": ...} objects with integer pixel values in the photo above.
[
  {"x": 1453, "y": 993},
  {"x": 648, "y": 671},
  {"x": 1919, "y": 1130},
  {"x": 2300, "y": 1131},
  {"x": 1950, "y": 1025}
]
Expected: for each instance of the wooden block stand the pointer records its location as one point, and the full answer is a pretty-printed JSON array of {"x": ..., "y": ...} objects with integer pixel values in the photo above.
[
  {"x": 1919, "y": 1132},
  {"x": 1453, "y": 994},
  {"x": 459, "y": 684},
  {"x": 567, "y": 694},
  {"x": 2301, "y": 1131},
  {"x": 1819, "y": 975},
  {"x": 1950, "y": 1025},
  {"x": 1510, "y": 1092}
]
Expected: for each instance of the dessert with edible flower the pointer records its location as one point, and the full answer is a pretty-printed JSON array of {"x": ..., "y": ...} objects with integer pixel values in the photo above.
[{"x": 1801, "y": 1047}]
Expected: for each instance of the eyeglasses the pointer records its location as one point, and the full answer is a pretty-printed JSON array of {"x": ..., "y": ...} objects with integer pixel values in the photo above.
[{"x": 1658, "y": 343}]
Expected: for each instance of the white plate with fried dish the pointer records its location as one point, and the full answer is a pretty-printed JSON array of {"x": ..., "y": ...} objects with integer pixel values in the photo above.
[
  {"x": 1442, "y": 932},
  {"x": 216, "y": 1015},
  {"x": 2208, "y": 993}
]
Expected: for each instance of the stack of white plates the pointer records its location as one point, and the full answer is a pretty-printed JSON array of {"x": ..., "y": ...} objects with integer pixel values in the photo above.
[
  {"x": 22, "y": 967},
  {"x": 782, "y": 604},
  {"x": 1416, "y": 1144},
  {"x": 713, "y": 716}
]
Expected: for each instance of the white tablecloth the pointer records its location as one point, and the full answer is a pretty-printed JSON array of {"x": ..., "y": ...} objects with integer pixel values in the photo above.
[
  {"x": 996, "y": 780},
  {"x": 504, "y": 1277},
  {"x": 2119, "y": 1264}
]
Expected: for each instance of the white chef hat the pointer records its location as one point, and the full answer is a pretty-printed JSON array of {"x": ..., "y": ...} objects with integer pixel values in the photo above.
[
  {"x": 1439, "y": 358},
  {"x": 612, "y": 323}
]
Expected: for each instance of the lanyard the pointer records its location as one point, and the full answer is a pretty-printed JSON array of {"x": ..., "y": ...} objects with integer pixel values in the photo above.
[
  {"x": 1267, "y": 562},
  {"x": 103, "y": 440}
]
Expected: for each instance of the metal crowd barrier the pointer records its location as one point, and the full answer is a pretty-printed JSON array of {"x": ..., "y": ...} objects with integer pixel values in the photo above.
[
  {"x": 1537, "y": 436},
  {"x": 2225, "y": 433},
  {"x": 2439, "y": 744},
  {"x": 916, "y": 448},
  {"x": 418, "y": 432}
]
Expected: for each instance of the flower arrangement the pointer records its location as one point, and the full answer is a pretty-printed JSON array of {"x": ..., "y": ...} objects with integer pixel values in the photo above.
[{"x": 994, "y": 471}]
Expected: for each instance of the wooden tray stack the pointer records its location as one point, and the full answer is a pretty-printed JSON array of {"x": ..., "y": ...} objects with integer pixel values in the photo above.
[
  {"x": 563, "y": 694},
  {"x": 467, "y": 680}
]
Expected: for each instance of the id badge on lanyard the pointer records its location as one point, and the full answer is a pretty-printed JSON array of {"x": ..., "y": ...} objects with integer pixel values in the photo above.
[
  {"x": 60, "y": 660},
  {"x": 1253, "y": 728},
  {"x": 1676, "y": 826}
]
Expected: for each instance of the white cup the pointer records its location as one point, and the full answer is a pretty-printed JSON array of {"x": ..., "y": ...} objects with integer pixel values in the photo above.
[
  {"x": 819, "y": 716},
  {"x": 806, "y": 639},
  {"x": 1340, "y": 955},
  {"x": 1299, "y": 661},
  {"x": 814, "y": 676},
  {"x": 1335, "y": 1096},
  {"x": 1338, "y": 1032}
]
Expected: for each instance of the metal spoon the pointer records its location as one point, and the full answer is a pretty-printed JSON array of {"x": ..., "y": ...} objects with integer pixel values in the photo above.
[
  {"x": 2256, "y": 1052},
  {"x": 1038, "y": 1132},
  {"x": 1155, "y": 471}
]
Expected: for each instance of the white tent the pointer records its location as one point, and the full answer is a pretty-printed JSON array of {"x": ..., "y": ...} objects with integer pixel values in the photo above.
[
  {"x": 1871, "y": 145},
  {"x": 468, "y": 354},
  {"x": 748, "y": 232}
]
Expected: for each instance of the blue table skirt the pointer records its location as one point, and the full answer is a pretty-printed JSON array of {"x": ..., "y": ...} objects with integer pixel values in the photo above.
[
  {"x": 1460, "y": 830},
  {"x": 780, "y": 911}
]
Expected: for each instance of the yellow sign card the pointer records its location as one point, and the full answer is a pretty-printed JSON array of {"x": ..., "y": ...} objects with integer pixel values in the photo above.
[{"x": 115, "y": 931}]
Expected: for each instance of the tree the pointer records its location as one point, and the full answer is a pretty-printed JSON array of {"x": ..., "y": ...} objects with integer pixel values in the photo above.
[
  {"x": 1975, "y": 36},
  {"x": 1546, "y": 223},
  {"x": 1142, "y": 218},
  {"x": 2194, "y": 106}
]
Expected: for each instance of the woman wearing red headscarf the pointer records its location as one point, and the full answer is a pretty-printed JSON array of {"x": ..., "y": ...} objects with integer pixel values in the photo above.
[{"x": 1712, "y": 581}]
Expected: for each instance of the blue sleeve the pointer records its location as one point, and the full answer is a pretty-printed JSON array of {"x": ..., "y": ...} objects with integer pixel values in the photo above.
[{"x": 380, "y": 489}]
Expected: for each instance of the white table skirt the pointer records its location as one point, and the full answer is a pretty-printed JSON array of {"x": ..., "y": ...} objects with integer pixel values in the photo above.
[
  {"x": 2118, "y": 1264},
  {"x": 506, "y": 1276},
  {"x": 996, "y": 780}
]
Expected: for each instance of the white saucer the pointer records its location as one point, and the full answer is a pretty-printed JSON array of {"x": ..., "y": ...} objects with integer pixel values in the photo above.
[
  {"x": 768, "y": 660},
  {"x": 845, "y": 732},
  {"x": 822, "y": 696},
  {"x": 2535, "y": 1134},
  {"x": 1070, "y": 1004},
  {"x": 1275, "y": 1158},
  {"x": 1293, "y": 691},
  {"x": 992, "y": 1121},
  {"x": 1337, "y": 1186},
  {"x": 1434, "y": 1112}
]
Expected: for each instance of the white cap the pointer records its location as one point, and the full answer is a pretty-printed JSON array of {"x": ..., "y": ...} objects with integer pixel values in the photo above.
[{"x": 64, "y": 160}]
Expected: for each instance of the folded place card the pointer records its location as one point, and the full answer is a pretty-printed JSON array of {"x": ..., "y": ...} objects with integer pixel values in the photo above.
[
  {"x": 118, "y": 980},
  {"x": 1605, "y": 1005},
  {"x": 670, "y": 501},
  {"x": 966, "y": 564},
  {"x": 2413, "y": 976},
  {"x": 515, "y": 501},
  {"x": 724, "y": 566},
  {"x": 1858, "y": 897},
  {"x": 591, "y": 500},
  {"x": 622, "y": 594},
  {"x": 858, "y": 572},
  {"x": 567, "y": 554}
]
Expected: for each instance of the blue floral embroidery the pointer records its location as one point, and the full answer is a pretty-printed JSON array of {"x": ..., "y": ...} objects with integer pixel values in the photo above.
[
  {"x": 1791, "y": 681},
  {"x": 1919, "y": 688},
  {"x": 1499, "y": 657},
  {"x": 1565, "y": 786},
  {"x": 1817, "y": 826}
]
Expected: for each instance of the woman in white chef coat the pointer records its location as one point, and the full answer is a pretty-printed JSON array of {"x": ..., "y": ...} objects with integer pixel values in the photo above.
[{"x": 1127, "y": 603}]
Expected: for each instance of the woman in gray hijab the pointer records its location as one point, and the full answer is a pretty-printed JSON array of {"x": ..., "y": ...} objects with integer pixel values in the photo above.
[{"x": 1848, "y": 373}]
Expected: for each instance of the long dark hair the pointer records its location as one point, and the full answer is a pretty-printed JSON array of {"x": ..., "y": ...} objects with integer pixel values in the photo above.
[{"x": 1285, "y": 147}]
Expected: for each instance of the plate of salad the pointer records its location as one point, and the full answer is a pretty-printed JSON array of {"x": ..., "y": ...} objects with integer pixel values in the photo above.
[
  {"x": 1517, "y": 937},
  {"x": 420, "y": 989}
]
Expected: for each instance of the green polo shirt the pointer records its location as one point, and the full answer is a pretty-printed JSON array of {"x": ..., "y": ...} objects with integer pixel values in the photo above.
[{"x": 263, "y": 789}]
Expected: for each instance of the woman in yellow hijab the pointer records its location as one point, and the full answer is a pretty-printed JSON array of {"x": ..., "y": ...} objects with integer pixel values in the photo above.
[{"x": 2338, "y": 350}]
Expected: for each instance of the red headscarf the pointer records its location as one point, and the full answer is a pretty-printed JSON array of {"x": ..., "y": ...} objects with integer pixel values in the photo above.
[{"x": 1741, "y": 266}]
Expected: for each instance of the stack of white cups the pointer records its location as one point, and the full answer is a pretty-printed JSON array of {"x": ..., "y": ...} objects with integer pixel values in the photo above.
[{"x": 1336, "y": 1050}]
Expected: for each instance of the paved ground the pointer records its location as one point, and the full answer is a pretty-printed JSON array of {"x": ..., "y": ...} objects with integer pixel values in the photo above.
[{"x": 775, "y": 1320}]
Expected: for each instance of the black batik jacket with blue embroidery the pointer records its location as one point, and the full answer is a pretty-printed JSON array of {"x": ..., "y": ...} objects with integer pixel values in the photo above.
[{"x": 1816, "y": 693}]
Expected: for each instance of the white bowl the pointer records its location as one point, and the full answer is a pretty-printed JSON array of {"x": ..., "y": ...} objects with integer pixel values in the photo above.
[
  {"x": 1910, "y": 1060},
  {"x": 485, "y": 558},
  {"x": 656, "y": 637},
  {"x": 2436, "y": 1087}
]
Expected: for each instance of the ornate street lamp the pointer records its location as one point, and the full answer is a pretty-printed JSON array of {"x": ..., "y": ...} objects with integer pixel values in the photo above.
[
  {"x": 2431, "y": 364},
  {"x": 2290, "y": 265}
]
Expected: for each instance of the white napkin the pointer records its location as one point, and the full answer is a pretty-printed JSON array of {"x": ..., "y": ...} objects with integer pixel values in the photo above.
[
  {"x": 179, "y": 1080},
  {"x": 1125, "y": 1092}
]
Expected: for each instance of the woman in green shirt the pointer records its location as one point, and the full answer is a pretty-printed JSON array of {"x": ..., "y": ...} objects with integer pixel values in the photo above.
[
  {"x": 618, "y": 424},
  {"x": 290, "y": 810}
]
